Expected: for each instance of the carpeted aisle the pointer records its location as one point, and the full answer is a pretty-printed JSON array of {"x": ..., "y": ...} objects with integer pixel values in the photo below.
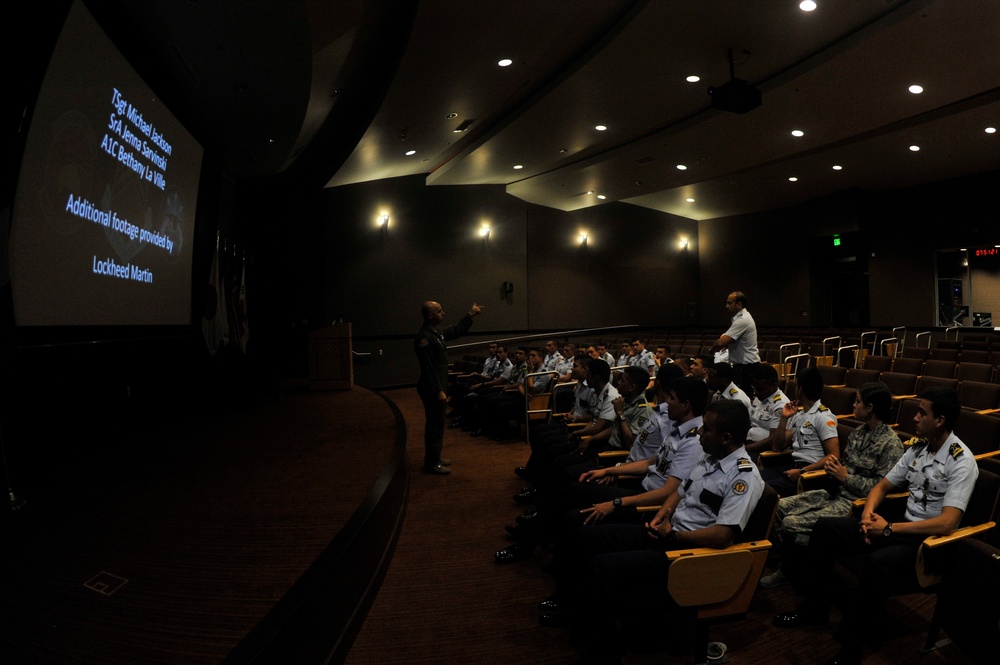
[{"x": 445, "y": 601}]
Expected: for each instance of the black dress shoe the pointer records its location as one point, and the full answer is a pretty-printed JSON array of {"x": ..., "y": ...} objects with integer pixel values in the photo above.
[
  {"x": 529, "y": 495},
  {"x": 799, "y": 618},
  {"x": 514, "y": 553},
  {"x": 522, "y": 472},
  {"x": 550, "y": 606},
  {"x": 528, "y": 515}
]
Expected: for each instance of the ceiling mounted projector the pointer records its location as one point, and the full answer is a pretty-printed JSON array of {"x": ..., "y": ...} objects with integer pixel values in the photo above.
[{"x": 735, "y": 95}]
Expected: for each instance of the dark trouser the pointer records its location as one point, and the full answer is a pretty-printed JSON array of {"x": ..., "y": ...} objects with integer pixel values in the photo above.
[
  {"x": 435, "y": 411},
  {"x": 776, "y": 478},
  {"x": 611, "y": 573},
  {"x": 885, "y": 567}
]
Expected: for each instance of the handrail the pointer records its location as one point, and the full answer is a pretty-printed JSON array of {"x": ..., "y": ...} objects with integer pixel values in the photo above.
[
  {"x": 797, "y": 357},
  {"x": 848, "y": 348},
  {"x": 528, "y": 412},
  {"x": 830, "y": 339},
  {"x": 926, "y": 334},
  {"x": 887, "y": 341},
  {"x": 505, "y": 340},
  {"x": 948, "y": 330},
  {"x": 902, "y": 339},
  {"x": 874, "y": 335}
]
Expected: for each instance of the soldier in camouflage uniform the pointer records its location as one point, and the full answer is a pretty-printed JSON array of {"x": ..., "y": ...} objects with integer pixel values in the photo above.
[{"x": 872, "y": 449}]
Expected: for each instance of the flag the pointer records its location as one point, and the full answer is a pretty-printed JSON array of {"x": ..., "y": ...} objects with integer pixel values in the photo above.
[
  {"x": 243, "y": 330},
  {"x": 215, "y": 325}
]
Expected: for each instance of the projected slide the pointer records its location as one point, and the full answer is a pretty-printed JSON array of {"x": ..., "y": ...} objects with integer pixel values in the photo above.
[{"x": 103, "y": 220}]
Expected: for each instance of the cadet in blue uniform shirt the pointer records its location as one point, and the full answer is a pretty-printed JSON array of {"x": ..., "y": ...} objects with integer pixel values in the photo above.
[
  {"x": 940, "y": 473},
  {"x": 432, "y": 386}
]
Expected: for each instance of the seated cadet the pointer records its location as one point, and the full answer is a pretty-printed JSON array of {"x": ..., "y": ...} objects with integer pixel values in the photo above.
[
  {"x": 492, "y": 378},
  {"x": 631, "y": 413},
  {"x": 647, "y": 442},
  {"x": 765, "y": 409},
  {"x": 598, "y": 429},
  {"x": 552, "y": 357},
  {"x": 554, "y": 435},
  {"x": 871, "y": 450},
  {"x": 662, "y": 355},
  {"x": 565, "y": 366},
  {"x": 811, "y": 433},
  {"x": 589, "y": 501},
  {"x": 624, "y": 356},
  {"x": 720, "y": 382},
  {"x": 481, "y": 393},
  {"x": 700, "y": 365},
  {"x": 685, "y": 364},
  {"x": 602, "y": 351},
  {"x": 609, "y": 568},
  {"x": 493, "y": 412},
  {"x": 939, "y": 472}
]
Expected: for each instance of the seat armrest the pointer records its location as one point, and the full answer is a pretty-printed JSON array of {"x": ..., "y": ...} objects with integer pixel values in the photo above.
[{"x": 929, "y": 574}]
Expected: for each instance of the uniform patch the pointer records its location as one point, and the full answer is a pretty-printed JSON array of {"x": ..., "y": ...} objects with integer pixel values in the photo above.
[
  {"x": 831, "y": 423},
  {"x": 956, "y": 450},
  {"x": 740, "y": 487}
]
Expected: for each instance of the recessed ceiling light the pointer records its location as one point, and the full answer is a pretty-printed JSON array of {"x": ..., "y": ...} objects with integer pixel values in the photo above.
[
  {"x": 689, "y": 200},
  {"x": 807, "y": 5},
  {"x": 914, "y": 148},
  {"x": 600, "y": 128},
  {"x": 451, "y": 116},
  {"x": 838, "y": 167},
  {"x": 518, "y": 167},
  {"x": 506, "y": 62},
  {"x": 991, "y": 130},
  {"x": 793, "y": 179},
  {"x": 410, "y": 152},
  {"x": 601, "y": 196},
  {"x": 681, "y": 167},
  {"x": 694, "y": 78},
  {"x": 916, "y": 89},
  {"x": 798, "y": 133},
  {"x": 590, "y": 191}
]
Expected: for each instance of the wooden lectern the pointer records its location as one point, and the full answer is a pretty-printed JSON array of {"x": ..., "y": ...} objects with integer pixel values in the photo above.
[{"x": 331, "y": 366}]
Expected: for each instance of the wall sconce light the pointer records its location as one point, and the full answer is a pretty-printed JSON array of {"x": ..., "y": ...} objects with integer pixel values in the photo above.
[
  {"x": 484, "y": 232},
  {"x": 683, "y": 243},
  {"x": 384, "y": 221},
  {"x": 583, "y": 239}
]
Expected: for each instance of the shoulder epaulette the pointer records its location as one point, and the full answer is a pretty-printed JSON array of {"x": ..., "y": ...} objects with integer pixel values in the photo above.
[
  {"x": 744, "y": 465},
  {"x": 776, "y": 398},
  {"x": 914, "y": 442},
  {"x": 822, "y": 408},
  {"x": 693, "y": 430},
  {"x": 734, "y": 391},
  {"x": 956, "y": 450}
]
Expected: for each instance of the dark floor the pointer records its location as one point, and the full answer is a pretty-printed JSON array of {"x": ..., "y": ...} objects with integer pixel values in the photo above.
[{"x": 175, "y": 554}]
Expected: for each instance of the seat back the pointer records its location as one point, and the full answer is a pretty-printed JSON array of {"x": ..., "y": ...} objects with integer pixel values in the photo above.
[
  {"x": 762, "y": 518},
  {"x": 907, "y": 365},
  {"x": 942, "y": 368},
  {"x": 980, "y": 432},
  {"x": 979, "y": 396},
  {"x": 970, "y": 371},
  {"x": 879, "y": 363}
]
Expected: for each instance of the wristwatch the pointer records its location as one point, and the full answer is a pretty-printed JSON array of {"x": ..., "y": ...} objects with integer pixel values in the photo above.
[
  {"x": 887, "y": 531},
  {"x": 616, "y": 502}
]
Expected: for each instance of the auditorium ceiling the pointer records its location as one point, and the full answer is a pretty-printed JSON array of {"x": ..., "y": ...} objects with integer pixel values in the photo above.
[{"x": 348, "y": 91}]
